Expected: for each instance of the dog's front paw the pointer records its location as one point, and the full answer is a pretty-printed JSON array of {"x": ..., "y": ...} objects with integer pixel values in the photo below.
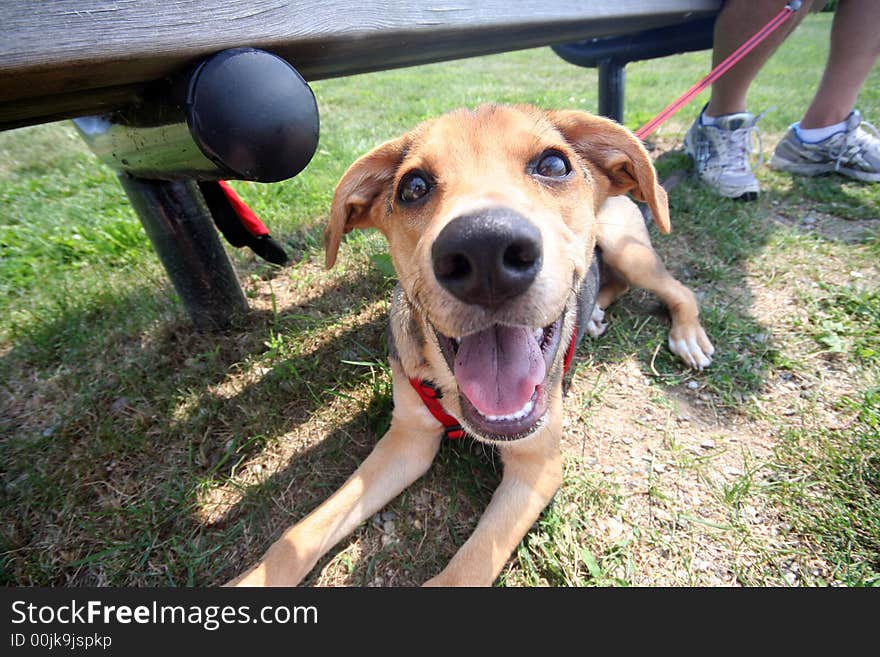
[
  {"x": 596, "y": 325},
  {"x": 692, "y": 345}
]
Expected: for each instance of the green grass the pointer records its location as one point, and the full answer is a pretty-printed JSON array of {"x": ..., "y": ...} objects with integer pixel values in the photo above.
[
  {"x": 134, "y": 450},
  {"x": 838, "y": 480}
]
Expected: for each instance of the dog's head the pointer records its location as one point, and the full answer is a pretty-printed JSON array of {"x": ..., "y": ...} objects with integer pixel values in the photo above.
[{"x": 490, "y": 219}]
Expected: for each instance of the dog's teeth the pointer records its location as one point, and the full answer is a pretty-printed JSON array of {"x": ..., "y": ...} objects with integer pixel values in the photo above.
[
  {"x": 539, "y": 334},
  {"x": 457, "y": 341},
  {"x": 519, "y": 415}
]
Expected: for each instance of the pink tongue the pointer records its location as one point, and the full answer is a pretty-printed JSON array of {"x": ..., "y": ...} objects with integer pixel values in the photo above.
[{"x": 498, "y": 369}]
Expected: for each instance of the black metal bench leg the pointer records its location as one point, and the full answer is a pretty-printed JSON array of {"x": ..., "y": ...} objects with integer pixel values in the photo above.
[
  {"x": 180, "y": 227},
  {"x": 612, "y": 83}
]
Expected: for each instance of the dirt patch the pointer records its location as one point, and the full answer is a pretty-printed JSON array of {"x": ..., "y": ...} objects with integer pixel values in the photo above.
[
  {"x": 844, "y": 230},
  {"x": 671, "y": 453}
]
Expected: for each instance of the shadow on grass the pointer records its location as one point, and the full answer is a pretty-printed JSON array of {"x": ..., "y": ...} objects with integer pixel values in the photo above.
[
  {"x": 832, "y": 193},
  {"x": 430, "y": 519},
  {"x": 105, "y": 488},
  {"x": 104, "y": 440}
]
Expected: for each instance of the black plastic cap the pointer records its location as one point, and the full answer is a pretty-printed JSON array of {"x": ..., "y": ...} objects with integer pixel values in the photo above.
[{"x": 252, "y": 113}]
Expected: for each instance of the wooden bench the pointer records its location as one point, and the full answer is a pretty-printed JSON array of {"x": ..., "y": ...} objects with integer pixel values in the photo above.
[{"x": 132, "y": 66}]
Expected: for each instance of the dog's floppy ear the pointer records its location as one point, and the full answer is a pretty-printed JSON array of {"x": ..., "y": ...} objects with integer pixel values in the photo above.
[
  {"x": 356, "y": 197},
  {"x": 618, "y": 156}
]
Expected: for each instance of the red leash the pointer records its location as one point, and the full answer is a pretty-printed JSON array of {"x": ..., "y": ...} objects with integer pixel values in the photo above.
[{"x": 719, "y": 70}]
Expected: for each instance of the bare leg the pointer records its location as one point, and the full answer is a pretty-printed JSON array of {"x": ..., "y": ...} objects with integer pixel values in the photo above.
[
  {"x": 739, "y": 20},
  {"x": 402, "y": 456},
  {"x": 855, "y": 47}
]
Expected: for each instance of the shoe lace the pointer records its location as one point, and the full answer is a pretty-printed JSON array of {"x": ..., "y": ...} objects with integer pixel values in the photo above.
[
  {"x": 734, "y": 148},
  {"x": 857, "y": 142}
]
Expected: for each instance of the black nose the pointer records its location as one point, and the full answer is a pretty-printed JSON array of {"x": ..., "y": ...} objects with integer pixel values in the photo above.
[{"x": 487, "y": 257}]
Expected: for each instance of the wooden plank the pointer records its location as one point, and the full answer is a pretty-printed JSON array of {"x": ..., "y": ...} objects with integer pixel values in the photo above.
[{"x": 54, "y": 52}]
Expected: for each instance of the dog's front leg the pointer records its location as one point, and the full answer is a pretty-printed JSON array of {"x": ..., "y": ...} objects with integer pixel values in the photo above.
[
  {"x": 402, "y": 455},
  {"x": 532, "y": 475}
]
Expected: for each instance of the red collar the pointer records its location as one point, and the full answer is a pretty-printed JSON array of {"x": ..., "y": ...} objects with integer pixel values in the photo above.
[{"x": 431, "y": 395}]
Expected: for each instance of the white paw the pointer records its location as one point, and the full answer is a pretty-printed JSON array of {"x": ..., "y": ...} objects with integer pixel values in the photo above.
[
  {"x": 595, "y": 326},
  {"x": 692, "y": 345}
]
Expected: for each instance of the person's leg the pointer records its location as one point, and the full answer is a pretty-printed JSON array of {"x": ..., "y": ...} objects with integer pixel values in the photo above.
[
  {"x": 738, "y": 21},
  {"x": 829, "y": 138},
  {"x": 855, "y": 47},
  {"x": 720, "y": 139}
]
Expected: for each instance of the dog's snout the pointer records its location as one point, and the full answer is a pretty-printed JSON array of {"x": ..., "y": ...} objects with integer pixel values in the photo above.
[{"x": 488, "y": 257}]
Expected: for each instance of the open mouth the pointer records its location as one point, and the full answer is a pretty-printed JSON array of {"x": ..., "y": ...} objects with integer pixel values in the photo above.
[{"x": 501, "y": 373}]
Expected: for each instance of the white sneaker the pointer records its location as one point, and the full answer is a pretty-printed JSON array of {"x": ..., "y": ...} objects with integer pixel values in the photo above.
[
  {"x": 853, "y": 152},
  {"x": 721, "y": 154}
]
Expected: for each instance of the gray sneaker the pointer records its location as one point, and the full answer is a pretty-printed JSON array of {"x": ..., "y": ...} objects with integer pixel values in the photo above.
[
  {"x": 721, "y": 154},
  {"x": 854, "y": 152}
]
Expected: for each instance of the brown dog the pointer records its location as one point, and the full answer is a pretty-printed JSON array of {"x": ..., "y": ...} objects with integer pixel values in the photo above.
[{"x": 492, "y": 218}]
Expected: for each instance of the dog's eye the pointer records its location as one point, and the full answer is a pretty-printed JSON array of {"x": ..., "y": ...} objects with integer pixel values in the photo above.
[
  {"x": 552, "y": 165},
  {"x": 413, "y": 186}
]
